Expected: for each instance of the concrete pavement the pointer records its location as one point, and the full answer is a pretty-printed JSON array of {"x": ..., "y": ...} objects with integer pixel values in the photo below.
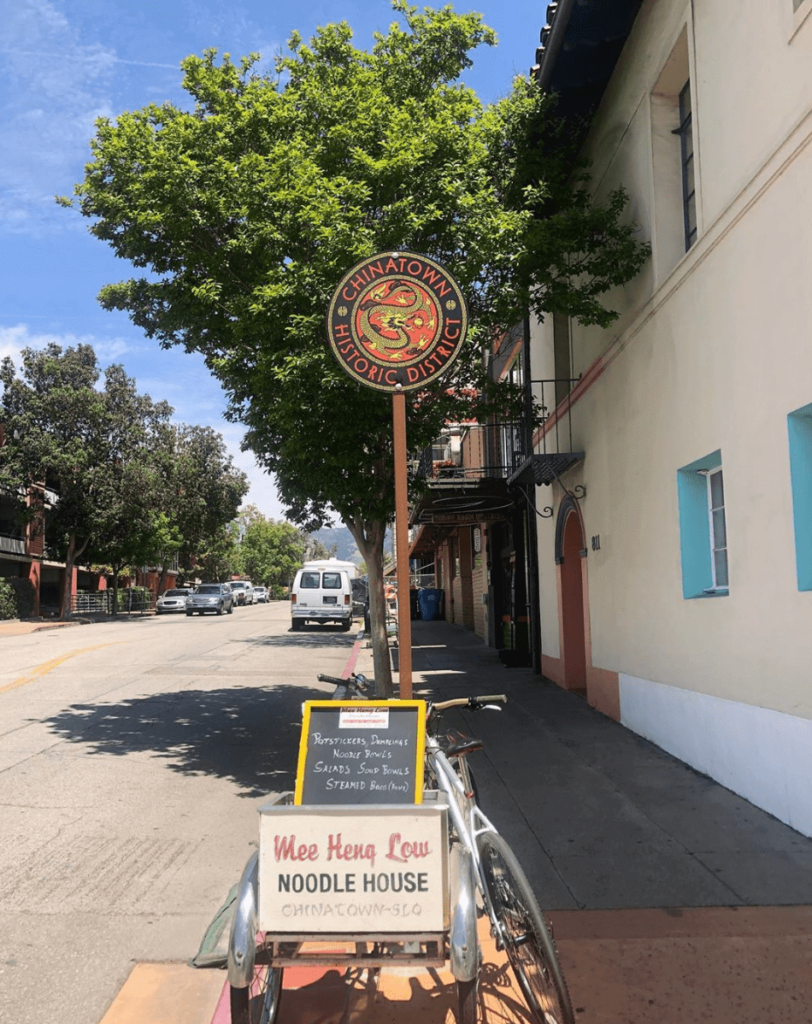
[
  {"x": 671, "y": 898},
  {"x": 21, "y": 627},
  {"x": 599, "y": 817}
]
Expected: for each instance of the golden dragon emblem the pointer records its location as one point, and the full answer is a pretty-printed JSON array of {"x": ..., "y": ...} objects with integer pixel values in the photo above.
[{"x": 398, "y": 308}]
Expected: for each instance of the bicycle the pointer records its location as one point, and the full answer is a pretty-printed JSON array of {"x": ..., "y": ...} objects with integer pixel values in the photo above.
[
  {"x": 480, "y": 862},
  {"x": 517, "y": 924}
]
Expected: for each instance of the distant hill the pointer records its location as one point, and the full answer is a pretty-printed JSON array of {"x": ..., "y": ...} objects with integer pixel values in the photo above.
[{"x": 340, "y": 538}]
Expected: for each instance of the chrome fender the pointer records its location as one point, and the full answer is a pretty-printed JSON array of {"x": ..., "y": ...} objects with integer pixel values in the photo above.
[
  {"x": 242, "y": 939},
  {"x": 462, "y": 935}
]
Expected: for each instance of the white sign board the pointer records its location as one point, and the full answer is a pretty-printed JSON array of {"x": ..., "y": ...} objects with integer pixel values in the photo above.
[{"x": 352, "y": 869}]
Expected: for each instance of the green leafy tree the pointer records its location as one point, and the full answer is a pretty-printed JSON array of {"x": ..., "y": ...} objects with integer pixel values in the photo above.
[
  {"x": 8, "y": 601},
  {"x": 77, "y": 448},
  {"x": 315, "y": 549},
  {"x": 131, "y": 537},
  {"x": 219, "y": 557},
  {"x": 271, "y": 554},
  {"x": 201, "y": 493},
  {"x": 249, "y": 208}
]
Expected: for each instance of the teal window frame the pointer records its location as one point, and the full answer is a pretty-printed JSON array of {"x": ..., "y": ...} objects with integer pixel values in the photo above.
[
  {"x": 799, "y": 428},
  {"x": 696, "y": 540}
]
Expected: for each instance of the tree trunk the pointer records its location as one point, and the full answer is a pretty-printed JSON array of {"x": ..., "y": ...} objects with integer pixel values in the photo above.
[
  {"x": 369, "y": 536},
  {"x": 73, "y": 555},
  {"x": 116, "y": 572},
  {"x": 162, "y": 580},
  {"x": 64, "y": 607}
]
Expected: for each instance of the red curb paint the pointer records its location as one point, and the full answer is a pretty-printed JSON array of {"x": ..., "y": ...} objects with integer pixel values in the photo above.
[
  {"x": 350, "y": 666},
  {"x": 222, "y": 1013}
]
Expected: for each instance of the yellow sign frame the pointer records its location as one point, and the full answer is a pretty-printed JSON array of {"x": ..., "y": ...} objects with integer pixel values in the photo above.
[{"x": 420, "y": 740}]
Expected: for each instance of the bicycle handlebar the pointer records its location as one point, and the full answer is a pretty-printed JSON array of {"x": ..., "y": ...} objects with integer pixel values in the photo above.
[
  {"x": 472, "y": 703},
  {"x": 322, "y": 678},
  {"x": 359, "y": 685}
]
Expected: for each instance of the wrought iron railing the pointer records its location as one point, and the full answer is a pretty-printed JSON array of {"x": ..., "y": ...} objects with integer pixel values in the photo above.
[
  {"x": 99, "y": 603},
  {"x": 552, "y": 413},
  {"x": 131, "y": 601},
  {"x": 496, "y": 450}
]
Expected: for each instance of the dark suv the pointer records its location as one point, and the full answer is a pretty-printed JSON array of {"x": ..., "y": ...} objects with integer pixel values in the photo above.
[{"x": 210, "y": 597}]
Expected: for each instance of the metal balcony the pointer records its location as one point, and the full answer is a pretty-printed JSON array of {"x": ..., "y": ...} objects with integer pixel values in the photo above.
[{"x": 552, "y": 451}]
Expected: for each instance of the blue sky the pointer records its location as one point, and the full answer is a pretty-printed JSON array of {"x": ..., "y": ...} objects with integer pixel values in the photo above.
[{"x": 65, "y": 62}]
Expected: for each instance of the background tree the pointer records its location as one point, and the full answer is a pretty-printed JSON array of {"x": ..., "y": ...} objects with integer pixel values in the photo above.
[
  {"x": 271, "y": 553},
  {"x": 128, "y": 487},
  {"x": 249, "y": 208},
  {"x": 314, "y": 549},
  {"x": 219, "y": 557},
  {"x": 201, "y": 492},
  {"x": 86, "y": 445}
]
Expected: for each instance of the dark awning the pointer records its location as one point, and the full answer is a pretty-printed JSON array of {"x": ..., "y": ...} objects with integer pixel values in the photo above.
[{"x": 544, "y": 469}]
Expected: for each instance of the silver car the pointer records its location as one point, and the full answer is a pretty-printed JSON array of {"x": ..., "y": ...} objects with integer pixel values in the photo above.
[
  {"x": 210, "y": 597},
  {"x": 172, "y": 601},
  {"x": 260, "y": 594}
]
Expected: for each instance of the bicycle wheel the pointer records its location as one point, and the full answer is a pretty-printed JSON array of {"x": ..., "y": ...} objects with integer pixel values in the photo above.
[
  {"x": 525, "y": 936},
  {"x": 259, "y": 1004}
]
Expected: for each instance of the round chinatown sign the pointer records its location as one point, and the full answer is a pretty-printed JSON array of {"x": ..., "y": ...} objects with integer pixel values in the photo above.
[{"x": 397, "y": 321}]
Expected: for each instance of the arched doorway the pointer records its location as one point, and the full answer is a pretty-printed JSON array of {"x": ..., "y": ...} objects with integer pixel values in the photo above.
[{"x": 570, "y": 551}]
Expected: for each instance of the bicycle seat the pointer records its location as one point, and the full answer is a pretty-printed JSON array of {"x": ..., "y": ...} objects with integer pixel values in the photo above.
[{"x": 466, "y": 747}]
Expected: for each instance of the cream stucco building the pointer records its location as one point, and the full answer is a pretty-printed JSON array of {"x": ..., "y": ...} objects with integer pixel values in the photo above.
[{"x": 677, "y": 592}]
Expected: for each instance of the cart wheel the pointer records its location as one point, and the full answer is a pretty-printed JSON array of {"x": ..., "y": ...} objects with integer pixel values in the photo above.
[
  {"x": 466, "y": 1002},
  {"x": 259, "y": 1004}
]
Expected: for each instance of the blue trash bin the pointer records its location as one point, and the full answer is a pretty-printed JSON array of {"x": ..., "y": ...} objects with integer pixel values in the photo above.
[{"x": 429, "y": 600}]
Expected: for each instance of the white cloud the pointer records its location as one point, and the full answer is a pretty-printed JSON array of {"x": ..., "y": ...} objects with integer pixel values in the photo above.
[
  {"x": 14, "y": 339},
  {"x": 54, "y": 86}
]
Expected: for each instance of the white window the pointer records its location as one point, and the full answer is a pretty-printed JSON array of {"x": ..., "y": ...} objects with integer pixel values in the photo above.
[{"x": 718, "y": 530}]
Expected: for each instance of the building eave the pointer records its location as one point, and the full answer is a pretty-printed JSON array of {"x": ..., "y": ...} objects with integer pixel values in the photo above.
[{"x": 580, "y": 47}]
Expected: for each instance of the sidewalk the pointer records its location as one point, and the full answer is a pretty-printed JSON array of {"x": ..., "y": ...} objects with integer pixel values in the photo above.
[
  {"x": 672, "y": 899},
  {"x": 18, "y": 627},
  {"x": 600, "y": 817}
]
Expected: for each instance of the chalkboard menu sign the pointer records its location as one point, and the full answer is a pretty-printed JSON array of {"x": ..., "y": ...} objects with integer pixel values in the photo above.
[{"x": 359, "y": 752}]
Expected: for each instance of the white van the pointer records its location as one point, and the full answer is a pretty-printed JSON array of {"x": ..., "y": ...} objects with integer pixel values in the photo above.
[{"x": 321, "y": 592}]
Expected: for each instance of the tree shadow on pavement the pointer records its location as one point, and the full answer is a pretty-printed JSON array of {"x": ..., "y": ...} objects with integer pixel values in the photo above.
[
  {"x": 302, "y": 639},
  {"x": 247, "y": 734}
]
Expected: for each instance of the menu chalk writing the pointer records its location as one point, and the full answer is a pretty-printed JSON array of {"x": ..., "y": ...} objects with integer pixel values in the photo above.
[{"x": 357, "y": 752}]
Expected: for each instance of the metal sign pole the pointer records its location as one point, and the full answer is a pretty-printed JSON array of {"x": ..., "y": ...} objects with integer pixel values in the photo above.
[{"x": 402, "y": 546}]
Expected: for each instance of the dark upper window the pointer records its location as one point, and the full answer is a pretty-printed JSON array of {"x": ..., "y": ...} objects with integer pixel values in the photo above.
[
  {"x": 331, "y": 581},
  {"x": 686, "y": 135},
  {"x": 310, "y": 580}
]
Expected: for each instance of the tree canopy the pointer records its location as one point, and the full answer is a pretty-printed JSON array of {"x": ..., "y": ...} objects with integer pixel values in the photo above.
[
  {"x": 109, "y": 477},
  {"x": 245, "y": 210},
  {"x": 271, "y": 553}
]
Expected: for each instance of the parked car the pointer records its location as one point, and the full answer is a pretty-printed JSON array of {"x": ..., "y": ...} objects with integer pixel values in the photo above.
[
  {"x": 243, "y": 591},
  {"x": 360, "y": 595},
  {"x": 210, "y": 597},
  {"x": 172, "y": 601},
  {"x": 261, "y": 594}
]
